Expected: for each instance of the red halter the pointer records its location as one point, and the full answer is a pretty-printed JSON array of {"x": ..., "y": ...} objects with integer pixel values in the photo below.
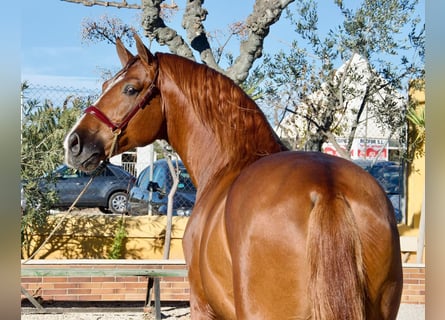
[{"x": 117, "y": 128}]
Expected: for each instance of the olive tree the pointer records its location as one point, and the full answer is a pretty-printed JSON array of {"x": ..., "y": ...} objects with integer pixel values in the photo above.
[
  {"x": 326, "y": 84},
  {"x": 43, "y": 128}
]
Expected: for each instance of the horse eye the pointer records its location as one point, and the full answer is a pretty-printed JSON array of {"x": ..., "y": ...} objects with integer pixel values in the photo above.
[{"x": 130, "y": 90}]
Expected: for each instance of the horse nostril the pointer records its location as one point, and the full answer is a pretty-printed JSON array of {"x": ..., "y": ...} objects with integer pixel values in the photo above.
[{"x": 74, "y": 144}]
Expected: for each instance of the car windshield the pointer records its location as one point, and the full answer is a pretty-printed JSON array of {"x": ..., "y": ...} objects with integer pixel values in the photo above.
[
  {"x": 144, "y": 179},
  {"x": 162, "y": 176}
]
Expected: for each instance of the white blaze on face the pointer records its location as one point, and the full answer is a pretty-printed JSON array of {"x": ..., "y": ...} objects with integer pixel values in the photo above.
[{"x": 65, "y": 142}]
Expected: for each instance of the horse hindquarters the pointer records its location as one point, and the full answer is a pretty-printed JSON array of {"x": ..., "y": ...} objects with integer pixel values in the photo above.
[{"x": 307, "y": 240}]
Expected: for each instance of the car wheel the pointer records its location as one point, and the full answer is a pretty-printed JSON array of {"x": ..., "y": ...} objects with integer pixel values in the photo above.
[{"x": 118, "y": 202}]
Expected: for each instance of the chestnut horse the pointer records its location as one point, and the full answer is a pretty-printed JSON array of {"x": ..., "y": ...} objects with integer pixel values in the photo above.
[{"x": 274, "y": 234}]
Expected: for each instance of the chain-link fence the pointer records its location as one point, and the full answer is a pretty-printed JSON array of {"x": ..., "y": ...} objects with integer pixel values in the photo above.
[{"x": 58, "y": 95}]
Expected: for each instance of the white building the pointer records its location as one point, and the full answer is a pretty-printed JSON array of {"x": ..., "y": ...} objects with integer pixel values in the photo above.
[
  {"x": 135, "y": 161},
  {"x": 373, "y": 138}
]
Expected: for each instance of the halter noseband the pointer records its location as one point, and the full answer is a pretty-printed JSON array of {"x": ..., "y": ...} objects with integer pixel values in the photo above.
[{"x": 117, "y": 128}]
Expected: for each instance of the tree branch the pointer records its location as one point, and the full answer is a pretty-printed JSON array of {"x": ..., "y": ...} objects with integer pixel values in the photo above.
[
  {"x": 155, "y": 28},
  {"x": 90, "y": 3},
  {"x": 265, "y": 13},
  {"x": 342, "y": 152},
  {"x": 192, "y": 20}
]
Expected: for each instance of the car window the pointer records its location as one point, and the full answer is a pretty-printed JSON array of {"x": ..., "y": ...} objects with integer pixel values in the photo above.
[
  {"x": 163, "y": 178},
  {"x": 67, "y": 173},
  {"x": 144, "y": 179},
  {"x": 107, "y": 173},
  {"x": 142, "y": 175},
  {"x": 100, "y": 172}
]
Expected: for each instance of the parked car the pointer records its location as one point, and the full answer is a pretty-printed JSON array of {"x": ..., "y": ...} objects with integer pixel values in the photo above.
[
  {"x": 108, "y": 190},
  {"x": 154, "y": 192},
  {"x": 390, "y": 176}
]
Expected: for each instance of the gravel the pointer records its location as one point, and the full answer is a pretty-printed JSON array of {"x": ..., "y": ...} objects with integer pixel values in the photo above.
[
  {"x": 178, "y": 312},
  {"x": 411, "y": 312}
]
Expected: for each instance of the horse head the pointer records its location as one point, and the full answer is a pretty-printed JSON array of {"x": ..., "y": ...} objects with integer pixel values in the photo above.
[{"x": 128, "y": 101}]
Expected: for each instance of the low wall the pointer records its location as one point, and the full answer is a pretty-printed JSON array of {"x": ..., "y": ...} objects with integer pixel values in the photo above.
[
  {"x": 82, "y": 236},
  {"x": 134, "y": 288},
  {"x": 91, "y": 236},
  {"x": 413, "y": 284}
]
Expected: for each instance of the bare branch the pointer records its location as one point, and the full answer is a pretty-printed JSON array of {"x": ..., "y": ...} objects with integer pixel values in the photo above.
[
  {"x": 169, "y": 10},
  {"x": 252, "y": 32},
  {"x": 122, "y": 4},
  {"x": 342, "y": 152},
  {"x": 107, "y": 29}
]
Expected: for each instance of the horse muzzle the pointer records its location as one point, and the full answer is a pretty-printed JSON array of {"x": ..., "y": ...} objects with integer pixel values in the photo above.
[{"x": 83, "y": 155}]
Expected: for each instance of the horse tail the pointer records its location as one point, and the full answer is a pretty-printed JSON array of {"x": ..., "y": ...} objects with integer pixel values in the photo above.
[{"x": 337, "y": 283}]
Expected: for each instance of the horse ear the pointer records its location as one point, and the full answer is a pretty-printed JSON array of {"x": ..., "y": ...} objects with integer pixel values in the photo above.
[
  {"x": 122, "y": 52},
  {"x": 143, "y": 51}
]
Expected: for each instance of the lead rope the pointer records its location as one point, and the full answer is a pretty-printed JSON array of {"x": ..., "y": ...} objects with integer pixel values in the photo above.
[{"x": 98, "y": 171}]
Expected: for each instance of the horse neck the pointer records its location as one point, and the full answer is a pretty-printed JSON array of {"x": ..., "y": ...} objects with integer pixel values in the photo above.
[
  {"x": 198, "y": 148},
  {"x": 215, "y": 127},
  {"x": 203, "y": 154}
]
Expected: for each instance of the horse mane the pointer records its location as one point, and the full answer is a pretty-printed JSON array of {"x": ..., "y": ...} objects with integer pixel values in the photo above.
[{"x": 223, "y": 107}]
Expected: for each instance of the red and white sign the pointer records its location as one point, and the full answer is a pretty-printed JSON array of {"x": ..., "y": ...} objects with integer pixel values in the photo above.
[{"x": 361, "y": 149}]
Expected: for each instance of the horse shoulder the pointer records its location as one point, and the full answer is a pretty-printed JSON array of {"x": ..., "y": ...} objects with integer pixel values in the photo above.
[{"x": 206, "y": 249}]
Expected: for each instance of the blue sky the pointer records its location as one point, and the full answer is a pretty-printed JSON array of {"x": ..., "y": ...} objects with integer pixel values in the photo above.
[
  {"x": 53, "y": 53},
  {"x": 52, "y": 50}
]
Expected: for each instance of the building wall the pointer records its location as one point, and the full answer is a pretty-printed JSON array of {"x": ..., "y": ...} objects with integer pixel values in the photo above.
[
  {"x": 416, "y": 171},
  {"x": 92, "y": 236}
]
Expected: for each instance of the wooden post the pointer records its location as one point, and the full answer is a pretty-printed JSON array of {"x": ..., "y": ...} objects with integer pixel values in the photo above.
[{"x": 157, "y": 298}]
